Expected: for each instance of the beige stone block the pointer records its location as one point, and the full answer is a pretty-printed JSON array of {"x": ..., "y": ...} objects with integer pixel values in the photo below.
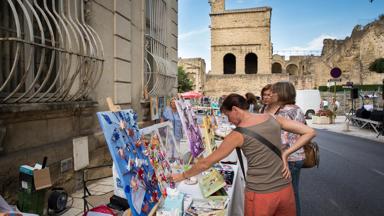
[
  {"x": 123, "y": 7},
  {"x": 122, "y": 49},
  {"x": 60, "y": 129},
  {"x": 123, "y": 71},
  {"x": 123, "y": 93},
  {"x": 122, "y": 27},
  {"x": 25, "y": 135}
]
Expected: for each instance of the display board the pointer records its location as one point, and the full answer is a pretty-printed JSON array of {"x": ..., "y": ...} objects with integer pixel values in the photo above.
[
  {"x": 130, "y": 153},
  {"x": 190, "y": 128},
  {"x": 209, "y": 133},
  {"x": 210, "y": 182}
]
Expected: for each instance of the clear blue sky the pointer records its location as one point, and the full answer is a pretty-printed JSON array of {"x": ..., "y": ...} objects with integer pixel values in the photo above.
[{"x": 295, "y": 25}]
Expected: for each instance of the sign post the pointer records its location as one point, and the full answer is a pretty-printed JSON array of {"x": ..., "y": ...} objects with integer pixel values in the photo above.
[{"x": 335, "y": 74}]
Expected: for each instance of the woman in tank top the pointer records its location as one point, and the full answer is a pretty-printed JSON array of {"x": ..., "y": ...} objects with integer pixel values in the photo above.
[{"x": 268, "y": 187}]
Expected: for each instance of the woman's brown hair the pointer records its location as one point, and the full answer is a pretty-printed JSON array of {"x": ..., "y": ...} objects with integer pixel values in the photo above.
[{"x": 285, "y": 91}]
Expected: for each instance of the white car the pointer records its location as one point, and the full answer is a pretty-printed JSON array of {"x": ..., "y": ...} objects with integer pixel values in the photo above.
[{"x": 309, "y": 101}]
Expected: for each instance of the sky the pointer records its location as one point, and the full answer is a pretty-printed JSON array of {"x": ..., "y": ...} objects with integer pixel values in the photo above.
[{"x": 297, "y": 26}]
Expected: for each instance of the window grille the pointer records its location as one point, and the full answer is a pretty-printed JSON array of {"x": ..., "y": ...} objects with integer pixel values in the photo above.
[
  {"x": 48, "y": 52},
  {"x": 159, "y": 74}
]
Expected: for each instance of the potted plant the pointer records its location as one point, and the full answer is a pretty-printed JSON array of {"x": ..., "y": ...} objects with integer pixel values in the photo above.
[{"x": 324, "y": 116}]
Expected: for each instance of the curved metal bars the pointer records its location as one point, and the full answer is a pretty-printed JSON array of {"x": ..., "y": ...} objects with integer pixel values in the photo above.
[
  {"x": 18, "y": 35},
  {"x": 73, "y": 45},
  {"x": 94, "y": 75},
  {"x": 31, "y": 52},
  {"x": 53, "y": 43},
  {"x": 62, "y": 56},
  {"x": 42, "y": 57}
]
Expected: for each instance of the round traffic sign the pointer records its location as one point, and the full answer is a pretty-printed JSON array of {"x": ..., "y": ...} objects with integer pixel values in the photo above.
[{"x": 336, "y": 72}]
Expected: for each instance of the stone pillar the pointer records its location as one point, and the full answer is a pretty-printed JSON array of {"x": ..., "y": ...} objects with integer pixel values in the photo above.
[{"x": 217, "y": 6}]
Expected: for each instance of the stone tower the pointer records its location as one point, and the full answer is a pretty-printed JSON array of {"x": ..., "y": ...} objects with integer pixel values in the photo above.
[{"x": 240, "y": 40}]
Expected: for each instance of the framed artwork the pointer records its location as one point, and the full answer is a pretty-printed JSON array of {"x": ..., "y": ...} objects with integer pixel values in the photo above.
[
  {"x": 154, "y": 108},
  {"x": 130, "y": 154},
  {"x": 210, "y": 182},
  {"x": 209, "y": 134},
  {"x": 190, "y": 127},
  {"x": 162, "y": 104},
  {"x": 163, "y": 132}
]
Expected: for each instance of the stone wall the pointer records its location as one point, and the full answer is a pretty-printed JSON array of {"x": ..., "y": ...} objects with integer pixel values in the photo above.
[
  {"x": 218, "y": 85},
  {"x": 35, "y": 131},
  {"x": 28, "y": 132},
  {"x": 195, "y": 70},
  {"x": 240, "y": 32}
]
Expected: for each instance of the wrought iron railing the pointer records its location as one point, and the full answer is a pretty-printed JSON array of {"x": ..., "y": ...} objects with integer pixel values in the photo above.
[
  {"x": 159, "y": 73},
  {"x": 48, "y": 52}
]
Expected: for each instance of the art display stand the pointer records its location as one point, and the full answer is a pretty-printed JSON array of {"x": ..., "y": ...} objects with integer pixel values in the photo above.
[
  {"x": 140, "y": 161},
  {"x": 142, "y": 167}
]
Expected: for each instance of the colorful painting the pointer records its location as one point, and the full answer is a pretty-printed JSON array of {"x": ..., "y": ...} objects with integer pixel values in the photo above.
[
  {"x": 163, "y": 150},
  {"x": 209, "y": 133},
  {"x": 130, "y": 154},
  {"x": 190, "y": 127},
  {"x": 210, "y": 182},
  {"x": 154, "y": 108},
  {"x": 162, "y": 104}
]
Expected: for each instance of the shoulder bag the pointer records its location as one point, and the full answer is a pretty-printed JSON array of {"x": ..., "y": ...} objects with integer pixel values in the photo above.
[{"x": 312, "y": 155}]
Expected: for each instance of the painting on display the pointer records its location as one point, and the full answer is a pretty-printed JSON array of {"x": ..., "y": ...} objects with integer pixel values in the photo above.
[
  {"x": 154, "y": 108},
  {"x": 130, "y": 154},
  {"x": 190, "y": 127},
  {"x": 209, "y": 134},
  {"x": 162, "y": 150},
  {"x": 162, "y": 104}
]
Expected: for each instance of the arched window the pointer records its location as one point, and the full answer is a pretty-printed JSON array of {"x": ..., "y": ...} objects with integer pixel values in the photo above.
[
  {"x": 276, "y": 68},
  {"x": 251, "y": 63},
  {"x": 292, "y": 69},
  {"x": 229, "y": 64}
]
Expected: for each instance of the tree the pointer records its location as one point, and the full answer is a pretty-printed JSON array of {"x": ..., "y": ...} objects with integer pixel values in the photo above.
[
  {"x": 377, "y": 65},
  {"x": 184, "y": 84}
]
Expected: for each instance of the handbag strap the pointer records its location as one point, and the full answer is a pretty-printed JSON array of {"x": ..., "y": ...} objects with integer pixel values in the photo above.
[
  {"x": 260, "y": 138},
  {"x": 240, "y": 157}
]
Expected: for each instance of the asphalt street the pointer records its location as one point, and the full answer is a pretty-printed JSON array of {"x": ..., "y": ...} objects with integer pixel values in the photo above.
[{"x": 349, "y": 181}]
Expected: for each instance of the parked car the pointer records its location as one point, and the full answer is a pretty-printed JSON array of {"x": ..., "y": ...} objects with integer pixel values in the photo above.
[{"x": 309, "y": 101}]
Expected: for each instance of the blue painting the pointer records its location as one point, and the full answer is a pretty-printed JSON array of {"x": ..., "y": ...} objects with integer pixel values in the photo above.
[{"x": 130, "y": 155}]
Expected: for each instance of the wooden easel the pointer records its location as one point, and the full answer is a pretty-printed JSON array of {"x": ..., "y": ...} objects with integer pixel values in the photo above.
[{"x": 112, "y": 107}]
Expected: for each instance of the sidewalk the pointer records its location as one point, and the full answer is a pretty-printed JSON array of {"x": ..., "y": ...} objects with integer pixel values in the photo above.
[
  {"x": 105, "y": 186},
  {"x": 340, "y": 126}
]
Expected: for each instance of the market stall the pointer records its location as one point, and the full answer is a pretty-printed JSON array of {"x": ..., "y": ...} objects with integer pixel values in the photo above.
[{"x": 144, "y": 160}]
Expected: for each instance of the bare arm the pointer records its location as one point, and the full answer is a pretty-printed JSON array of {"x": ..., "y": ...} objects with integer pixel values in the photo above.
[
  {"x": 306, "y": 132},
  {"x": 230, "y": 142}
]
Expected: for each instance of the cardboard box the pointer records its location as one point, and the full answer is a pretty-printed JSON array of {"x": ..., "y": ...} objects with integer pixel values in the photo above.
[
  {"x": 34, "y": 178},
  {"x": 42, "y": 178}
]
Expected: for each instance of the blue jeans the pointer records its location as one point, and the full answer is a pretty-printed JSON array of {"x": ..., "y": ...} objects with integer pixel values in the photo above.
[{"x": 295, "y": 167}]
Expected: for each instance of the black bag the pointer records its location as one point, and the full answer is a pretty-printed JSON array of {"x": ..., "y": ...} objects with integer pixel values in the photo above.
[
  {"x": 377, "y": 115},
  {"x": 312, "y": 155},
  {"x": 363, "y": 113}
]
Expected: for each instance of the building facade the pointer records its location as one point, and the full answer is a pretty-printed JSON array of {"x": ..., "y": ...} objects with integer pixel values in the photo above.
[
  {"x": 242, "y": 60},
  {"x": 60, "y": 60},
  {"x": 195, "y": 69}
]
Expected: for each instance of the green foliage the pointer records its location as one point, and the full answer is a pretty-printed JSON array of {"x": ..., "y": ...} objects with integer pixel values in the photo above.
[
  {"x": 377, "y": 65},
  {"x": 184, "y": 84}
]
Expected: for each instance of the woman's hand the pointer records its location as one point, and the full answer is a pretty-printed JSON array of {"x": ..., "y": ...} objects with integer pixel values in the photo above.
[
  {"x": 178, "y": 177},
  {"x": 285, "y": 171}
]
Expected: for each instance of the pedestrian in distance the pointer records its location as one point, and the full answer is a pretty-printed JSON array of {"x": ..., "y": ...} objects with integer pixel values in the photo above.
[
  {"x": 265, "y": 97},
  {"x": 252, "y": 101}
]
